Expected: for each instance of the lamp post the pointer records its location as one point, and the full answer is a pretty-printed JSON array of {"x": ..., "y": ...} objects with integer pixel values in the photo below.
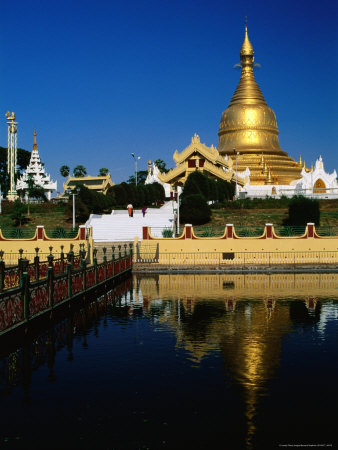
[
  {"x": 176, "y": 191},
  {"x": 178, "y": 211},
  {"x": 136, "y": 158},
  {"x": 236, "y": 153},
  {"x": 73, "y": 192}
]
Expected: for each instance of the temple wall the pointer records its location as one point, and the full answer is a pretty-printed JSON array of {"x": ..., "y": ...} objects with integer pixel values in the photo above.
[{"x": 230, "y": 249}]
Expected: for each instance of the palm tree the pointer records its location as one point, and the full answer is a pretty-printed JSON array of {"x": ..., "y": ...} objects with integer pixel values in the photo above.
[
  {"x": 103, "y": 172},
  {"x": 64, "y": 170},
  {"x": 79, "y": 171}
]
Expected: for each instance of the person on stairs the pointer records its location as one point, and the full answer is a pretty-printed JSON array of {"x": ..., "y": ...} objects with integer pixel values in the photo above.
[{"x": 130, "y": 210}]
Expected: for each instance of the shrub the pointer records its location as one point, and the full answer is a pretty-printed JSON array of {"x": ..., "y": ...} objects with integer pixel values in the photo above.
[
  {"x": 303, "y": 210},
  {"x": 195, "y": 210},
  {"x": 167, "y": 232}
]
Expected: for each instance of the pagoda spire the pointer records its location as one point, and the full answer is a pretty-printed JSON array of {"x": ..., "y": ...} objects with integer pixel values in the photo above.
[
  {"x": 247, "y": 91},
  {"x": 35, "y": 147}
]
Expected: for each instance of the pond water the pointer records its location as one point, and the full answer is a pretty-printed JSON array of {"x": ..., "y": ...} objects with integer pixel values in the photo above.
[{"x": 180, "y": 362}]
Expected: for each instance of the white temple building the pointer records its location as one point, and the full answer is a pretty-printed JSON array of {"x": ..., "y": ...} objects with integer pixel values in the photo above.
[
  {"x": 152, "y": 177},
  {"x": 314, "y": 182},
  {"x": 36, "y": 169}
]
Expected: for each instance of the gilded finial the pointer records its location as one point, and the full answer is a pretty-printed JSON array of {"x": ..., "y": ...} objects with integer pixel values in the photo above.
[
  {"x": 247, "y": 48},
  {"x": 300, "y": 161},
  {"x": 35, "y": 147},
  {"x": 269, "y": 179}
]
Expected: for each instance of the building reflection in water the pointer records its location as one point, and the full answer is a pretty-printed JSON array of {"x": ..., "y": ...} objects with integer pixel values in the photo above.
[{"x": 244, "y": 316}]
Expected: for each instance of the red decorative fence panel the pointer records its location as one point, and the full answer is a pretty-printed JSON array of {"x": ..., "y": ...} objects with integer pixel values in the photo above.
[
  {"x": 12, "y": 278},
  {"x": 60, "y": 290},
  {"x": 117, "y": 267},
  {"x": 77, "y": 262},
  {"x": 110, "y": 269},
  {"x": 58, "y": 266},
  {"x": 38, "y": 298},
  {"x": 77, "y": 283},
  {"x": 11, "y": 311},
  {"x": 31, "y": 272},
  {"x": 43, "y": 268},
  {"x": 90, "y": 277},
  {"x": 100, "y": 273}
]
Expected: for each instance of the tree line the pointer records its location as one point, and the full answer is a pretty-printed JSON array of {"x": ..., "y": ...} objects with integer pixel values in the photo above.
[{"x": 118, "y": 197}]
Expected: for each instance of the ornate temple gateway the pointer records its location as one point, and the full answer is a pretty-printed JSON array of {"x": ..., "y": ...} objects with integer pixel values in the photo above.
[
  {"x": 36, "y": 169},
  {"x": 198, "y": 156},
  {"x": 249, "y": 150}
]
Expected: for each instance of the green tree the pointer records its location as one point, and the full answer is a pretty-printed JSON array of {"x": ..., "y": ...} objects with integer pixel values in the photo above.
[
  {"x": 32, "y": 190},
  {"x": 141, "y": 177},
  {"x": 64, "y": 171},
  {"x": 195, "y": 210},
  {"x": 121, "y": 195},
  {"x": 18, "y": 213},
  {"x": 197, "y": 183},
  {"x": 23, "y": 157},
  {"x": 79, "y": 171},
  {"x": 103, "y": 172},
  {"x": 161, "y": 165}
]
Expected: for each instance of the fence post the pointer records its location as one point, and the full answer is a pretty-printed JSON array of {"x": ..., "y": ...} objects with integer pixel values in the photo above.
[
  {"x": 71, "y": 253},
  {"x": 2, "y": 271},
  {"x": 20, "y": 261},
  {"x": 37, "y": 264},
  {"x": 113, "y": 258},
  {"x": 104, "y": 262},
  {"x": 95, "y": 263},
  {"x": 62, "y": 257},
  {"x": 24, "y": 283},
  {"x": 131, "y": 254},
  {"x": 120, "y": 256},
  {"x": 50, "y": 278},
  {"x": 84, "y": 272},
  {"x": 69, "y": 273}
]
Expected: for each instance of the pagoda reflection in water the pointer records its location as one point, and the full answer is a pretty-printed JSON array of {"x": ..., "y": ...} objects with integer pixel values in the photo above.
[{"x": 244, "y": 316}]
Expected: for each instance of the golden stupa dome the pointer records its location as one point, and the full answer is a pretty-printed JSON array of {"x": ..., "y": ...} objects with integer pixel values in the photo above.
[{"x": 249, "y": 126}]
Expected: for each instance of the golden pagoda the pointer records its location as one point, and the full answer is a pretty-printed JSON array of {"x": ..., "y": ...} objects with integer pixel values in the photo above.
[{"x": 248, "y": 128}]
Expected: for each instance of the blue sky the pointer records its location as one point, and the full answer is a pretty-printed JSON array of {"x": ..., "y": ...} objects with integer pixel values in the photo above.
[{"x": 100, "y": 80}]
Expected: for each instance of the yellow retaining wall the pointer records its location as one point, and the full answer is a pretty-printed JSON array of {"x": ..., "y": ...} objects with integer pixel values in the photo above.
[
  {"x": 266, "y": 249},
  {"x": 11, "y": 247}
]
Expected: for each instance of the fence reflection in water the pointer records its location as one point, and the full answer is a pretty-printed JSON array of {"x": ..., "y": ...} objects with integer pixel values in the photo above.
[{"x": 42, "y": 349}]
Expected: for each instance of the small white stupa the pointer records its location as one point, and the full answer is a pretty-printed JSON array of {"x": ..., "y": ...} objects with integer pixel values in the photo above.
[{"x": 36, "y": 169}]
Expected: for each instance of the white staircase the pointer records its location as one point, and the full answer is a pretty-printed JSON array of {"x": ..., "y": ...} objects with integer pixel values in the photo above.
[{"x": 118, "y": 226}]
